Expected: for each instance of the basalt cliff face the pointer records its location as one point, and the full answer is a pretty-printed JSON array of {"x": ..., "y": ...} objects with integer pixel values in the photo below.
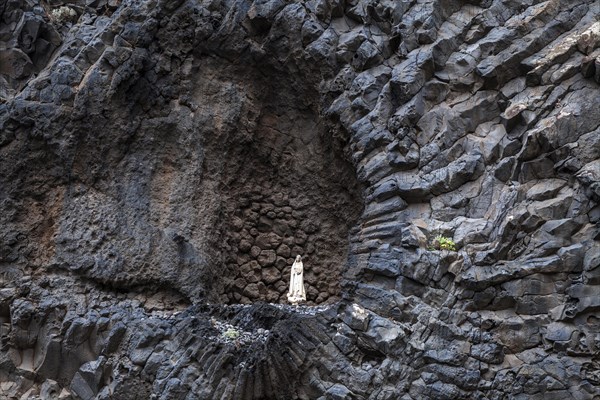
[{"x": 436, "y": 163}]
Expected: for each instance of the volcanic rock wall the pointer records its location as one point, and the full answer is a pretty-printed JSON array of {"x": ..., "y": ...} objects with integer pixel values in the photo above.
[{"x": 163, "y": 160}]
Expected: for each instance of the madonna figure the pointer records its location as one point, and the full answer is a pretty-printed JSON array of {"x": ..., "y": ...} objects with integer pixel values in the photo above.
[{"x": 297, "y": 293}]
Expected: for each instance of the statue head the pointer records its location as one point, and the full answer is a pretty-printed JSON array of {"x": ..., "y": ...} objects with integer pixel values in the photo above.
[{"x": 298, "y": 258}]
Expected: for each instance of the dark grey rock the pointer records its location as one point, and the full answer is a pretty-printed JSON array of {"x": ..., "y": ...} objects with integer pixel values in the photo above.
[
  {"x": 338, "y": 392},
  {"x": 163, "y": 162},
  {"x": 491, "y": 353}
]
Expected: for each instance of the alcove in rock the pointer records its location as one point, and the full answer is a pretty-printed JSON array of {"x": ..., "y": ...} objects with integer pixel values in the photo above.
[{"x": 285, "y": 185}]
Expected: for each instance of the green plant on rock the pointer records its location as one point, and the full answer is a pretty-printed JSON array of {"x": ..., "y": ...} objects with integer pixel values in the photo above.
[
  {"x": 444, "y": 243},
  {"x": 231, "y": 334},
  {"x": 63, "y": 14}
]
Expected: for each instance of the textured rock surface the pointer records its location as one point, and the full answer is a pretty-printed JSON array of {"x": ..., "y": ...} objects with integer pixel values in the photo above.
[{"x": 164, "y": 160}]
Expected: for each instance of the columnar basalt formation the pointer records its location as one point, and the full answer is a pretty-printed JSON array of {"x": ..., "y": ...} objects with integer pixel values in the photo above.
[{"x": 164, "y": 160}]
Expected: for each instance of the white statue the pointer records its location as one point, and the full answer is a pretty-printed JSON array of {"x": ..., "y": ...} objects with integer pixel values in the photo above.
[{"x": 297, "y": 293}]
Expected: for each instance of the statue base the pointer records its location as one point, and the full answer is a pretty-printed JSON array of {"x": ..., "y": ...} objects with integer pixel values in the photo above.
[{"x": 295, "y": 300}]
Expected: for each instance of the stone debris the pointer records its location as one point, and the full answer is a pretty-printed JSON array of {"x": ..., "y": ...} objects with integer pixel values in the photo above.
[{"x": 230, "y": 334}]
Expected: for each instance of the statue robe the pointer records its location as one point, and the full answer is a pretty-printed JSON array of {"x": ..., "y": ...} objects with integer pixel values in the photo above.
[{"x": 297, "y": 293}]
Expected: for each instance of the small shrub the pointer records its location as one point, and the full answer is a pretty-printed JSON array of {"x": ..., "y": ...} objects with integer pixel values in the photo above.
[
  {"x": 444, "y": 243},
  {"x": 231, "y": 334},
  {"x": 63, "y": 14}
]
